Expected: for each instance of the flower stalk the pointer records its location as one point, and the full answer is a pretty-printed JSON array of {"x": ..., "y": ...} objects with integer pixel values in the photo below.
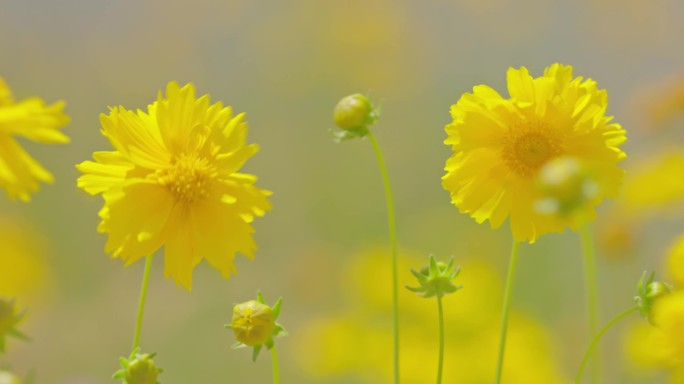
[
  {"x": 353, "y": 115},
  {"x": 591, "y": 290},
  {"x": 506, "y": 306}
]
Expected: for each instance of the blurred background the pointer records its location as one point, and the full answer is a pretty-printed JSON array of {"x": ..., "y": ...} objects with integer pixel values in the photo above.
[{"x": 324, "y": 246}]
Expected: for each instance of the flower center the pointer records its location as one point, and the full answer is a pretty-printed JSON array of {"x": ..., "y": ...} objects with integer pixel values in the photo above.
[
  {"x": 528, "y": 147},
  {"x": 188, "y": 178}
]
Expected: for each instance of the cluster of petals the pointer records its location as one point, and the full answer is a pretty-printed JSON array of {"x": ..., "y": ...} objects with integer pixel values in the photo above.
[{"x": 21, "y": 174}]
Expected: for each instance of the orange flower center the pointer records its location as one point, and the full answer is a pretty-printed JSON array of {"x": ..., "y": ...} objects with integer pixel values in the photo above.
[
  {"x": 188, "y": 179},
  {"x": 529, "y": 146}
]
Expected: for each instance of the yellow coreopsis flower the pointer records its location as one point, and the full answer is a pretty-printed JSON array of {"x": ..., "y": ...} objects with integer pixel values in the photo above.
[
  {"x": 500, "y": 144},
  {"x": 20, "y": 173},
  {"x": 173, "y": 181}
]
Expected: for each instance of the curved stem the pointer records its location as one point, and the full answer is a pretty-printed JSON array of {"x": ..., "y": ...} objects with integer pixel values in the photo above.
[
  {"x": 441, "y": 340},
  {"x": 590, "y": 281},
  {"x": 141, "y": 303},
  {"x": 276, "y": 371},
  {"x": 393, "y": 245},
  {"x": 596, "y": 340},
  {"x": 504, "y": 319}
]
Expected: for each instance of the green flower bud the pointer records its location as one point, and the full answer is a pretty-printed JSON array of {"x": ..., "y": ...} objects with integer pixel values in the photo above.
[
  {"x": 566, "y": 185},
  {"x": 253, "y": 322},
  {"x": 9, "y": 378},
  {"x": 142, "y": 370},
  {"x": 648, "y": 292},
  {"x": 139, "y": 368},
  {"x": 353, "y": 112},
  {"x": 436, "y": 279}
]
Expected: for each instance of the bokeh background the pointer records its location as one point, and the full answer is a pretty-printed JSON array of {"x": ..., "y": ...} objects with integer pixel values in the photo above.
[{"x": 323, "y": 247}]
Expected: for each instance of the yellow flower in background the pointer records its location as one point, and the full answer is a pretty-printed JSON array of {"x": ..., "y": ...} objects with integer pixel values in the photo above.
[
  {"x": 500, "y": 145},
  {"x": 353, "y": 342},
  {"x": 662, "y": 345},
  {"x": 20, "y": 174},
  {"x": 24, "y": 270},
  {"x": 656, "y": 183},
  {"x": 173, "y": 180}
]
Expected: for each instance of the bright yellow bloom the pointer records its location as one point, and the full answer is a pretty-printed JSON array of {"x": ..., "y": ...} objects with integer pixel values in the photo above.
[
  {"x": 32, "y": 119},
  {"x": 173, "y": 180},
  {"x": 500, "y": 145}
]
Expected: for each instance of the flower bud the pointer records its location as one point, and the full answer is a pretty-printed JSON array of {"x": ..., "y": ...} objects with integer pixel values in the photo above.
[
  {"x": 353, "y": 112},
  {"x": 253, "y": 323},
  {"x": 139, "y": 368},
  {"x": 648, "y": 292},
  {"x": 9, "y": 378},
  {"x": 142, "y": 370},
  {"x": 565, "y": 184},
  {"x": 436, "y": 279}
]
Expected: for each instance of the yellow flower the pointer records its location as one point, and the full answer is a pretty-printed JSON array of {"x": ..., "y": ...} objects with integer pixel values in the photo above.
[
  {"x": 32, "y": 119},
  {"x": 173, "y": 181},
  {"x": 500, "y": 145}
]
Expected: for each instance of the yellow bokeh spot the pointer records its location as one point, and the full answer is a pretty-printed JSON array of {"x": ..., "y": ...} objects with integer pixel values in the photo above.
[{"x": 24, "y": 272}]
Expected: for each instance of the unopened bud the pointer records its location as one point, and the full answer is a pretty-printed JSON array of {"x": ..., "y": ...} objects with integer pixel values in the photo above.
[
  {"x": 436, "y": 279},
  {"x": 648, "y": 292},
  {"x": 353, "y": 112},
  {"x": 253, "y": 322},
  {"x": 565, "y": 185}
]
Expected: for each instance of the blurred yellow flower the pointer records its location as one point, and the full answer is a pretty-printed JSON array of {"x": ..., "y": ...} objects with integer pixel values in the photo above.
[
  {"x": 356, "y": 342},
  {"x": 656, "y": 182},
  {"x": 500, "y": 144},
  {"x": 32, "y": 119},
  {"x": 24, "y": 271},
  {"x": 173, "y": 181},
  {"x": 661, "y": 346}
]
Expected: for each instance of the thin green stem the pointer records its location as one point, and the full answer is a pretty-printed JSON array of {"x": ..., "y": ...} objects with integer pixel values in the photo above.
[
  {"x": 591, "y": 290},
  {"x": 393, "y": 245},
  {"x": 597, "y": 339},
  {"x": 441, "y": 340},
  {"x": 506, "y": 304},
  {"x": 276, "y": 370},
  {"x": 141, "y": 303}
]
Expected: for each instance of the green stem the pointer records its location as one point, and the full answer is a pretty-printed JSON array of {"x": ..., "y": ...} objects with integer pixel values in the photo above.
[
  {"x": 393, "y": 244},
  {"x": 276, "y": 371},
  {"x": 597, "y": 338},
  {"x": 506, "y": 305},
  {"x": 591, "y": 290},
  {"x": 441, "y": 340},
  {"x": 141, "y": 303}
]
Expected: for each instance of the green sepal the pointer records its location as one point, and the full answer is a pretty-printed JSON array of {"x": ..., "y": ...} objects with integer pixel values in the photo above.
[
  {"x": 436, "y": 278},
  {"x": 255, "y": 351},
  {"x": 341, "y": 135},
  {"x": 16, "y": 334},
  {"x": 276, "y": 308},
  {"x": 238, "y": 345}
]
